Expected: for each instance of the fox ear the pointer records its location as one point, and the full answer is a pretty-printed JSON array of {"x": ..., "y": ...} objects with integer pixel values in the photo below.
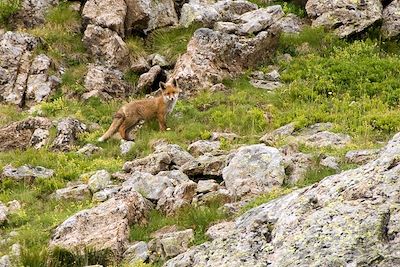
[
  {"x": 162, "y": 85},
  {"x": 174, "y": 83}
]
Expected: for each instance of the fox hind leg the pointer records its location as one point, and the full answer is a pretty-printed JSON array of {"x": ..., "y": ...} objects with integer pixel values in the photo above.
[{"x": 116, "y": 123}]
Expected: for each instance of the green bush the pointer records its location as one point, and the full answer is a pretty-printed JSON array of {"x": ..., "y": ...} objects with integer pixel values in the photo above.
[{"x": 7, "y": 9}]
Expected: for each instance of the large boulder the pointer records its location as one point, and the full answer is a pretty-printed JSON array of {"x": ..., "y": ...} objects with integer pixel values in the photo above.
[
  {"x": 32, "y": 12},
  {"x": 346, "y": 17},
  {"x": 212, "y": 56},
  {"x": 24, "y": 79},
  {"x": 391, "y": 19},
  {"x": 32, "y": 132},
  {"x": 106, "y": 13},
  {"x": 254, "y": 169},
  {"x": 147, "y": 15},
  {"x": 107, "y": 47},
  {"x": 105, "y": 83},
  {"x": 68, "y": 130},
  {"x": 170, "y": 244},
  {"x": 348, "y": 219},
  {"x": 104, "y": 227}
]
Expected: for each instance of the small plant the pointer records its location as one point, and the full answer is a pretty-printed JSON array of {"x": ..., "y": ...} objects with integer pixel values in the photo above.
[{"x": 7, "y": 9}]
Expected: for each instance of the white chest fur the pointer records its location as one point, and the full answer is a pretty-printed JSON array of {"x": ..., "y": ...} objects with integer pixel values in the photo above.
[{"x": 171, "y": 104}]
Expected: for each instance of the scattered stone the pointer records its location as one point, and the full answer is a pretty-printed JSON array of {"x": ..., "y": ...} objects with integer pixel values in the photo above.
[
  {"x": 174, "y": 199},
  {"x": 136, "y": 252},
  {"x": 271, "y": 138},
  {"x": 104, "y": 227},
  {"x": 202, "y": 147},
  {"x": 260, "y": 19},
  {"x": 220, "y": 230},
  {"x": 330, "y": 162},
  {"x": 107, "y": 47},
  {"x": 346, "y": 17},
  {"x": 76, "y": 192},
  {"x": 178, "y": 155},
  {"x": 159, "y": 60},
  {"x": 106, "y": 13},
  {"x": 296, "y": 166},
  {"x": 171, "y": 244},
  {"x": 269, "y": 81},
  {"x": 105, "y": 83},
  {"x": 3, "y": 213},
  {"x": 326, "y": 139},
  {"x": 89, "y": 149},
  {"x": 219, "y": 87},
  {"x": 150, "y": 186},
  {"x": 226, "y": 27},
  {"x": 254, "y": 169},
  {"x": 149, "y": 80},
  {"x": 290, "y": 24},
  {"x": 176, "y": 176},
  {"x": 24, "y": 134},
  {"x": 213, "y": 56},
  {"x": 67, "y": 134},
  {"x": 205, "y": 165},
  {"x": 99, "y": 180},
  {"x": 32, "y": 13},
  {"x": 16, "y": 250},
  {"x": 391, "y": 20},
  {"x": 222, "y": 195},
  {"x": 204, "y": 186},
  {"x": 5, "y": 261},
  {"x": 107, "y": 193},
  {"x": 13, "y": 206},
  {"x": 216, "y": 136},
  {"x": 126, "y": 146},
  {"x": 26, "y": 172},
  {"x": 361, "y": 156},
  {"x": 153, "y": 163}
]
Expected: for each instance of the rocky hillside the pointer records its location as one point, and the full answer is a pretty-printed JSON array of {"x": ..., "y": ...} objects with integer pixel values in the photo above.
[{"x": 283, "y": 148}]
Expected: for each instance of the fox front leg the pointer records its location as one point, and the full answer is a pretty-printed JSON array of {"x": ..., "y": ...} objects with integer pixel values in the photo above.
[{"x": 162, "y": 121}]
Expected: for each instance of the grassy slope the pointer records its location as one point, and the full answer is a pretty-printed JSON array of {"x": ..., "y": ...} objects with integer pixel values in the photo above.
[{"x": 353, "y": 84}]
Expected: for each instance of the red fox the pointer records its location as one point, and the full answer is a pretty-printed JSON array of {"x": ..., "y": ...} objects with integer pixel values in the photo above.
[{"x": 133, "y": 112}]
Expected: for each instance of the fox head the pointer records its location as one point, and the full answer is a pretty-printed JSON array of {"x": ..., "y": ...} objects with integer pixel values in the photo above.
[{"x": 170, "y": 90}]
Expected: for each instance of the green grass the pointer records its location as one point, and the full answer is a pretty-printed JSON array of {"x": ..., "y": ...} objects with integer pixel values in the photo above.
[
  {"x": 7, "y": 9},
  {"x": 196, "y": 218}
]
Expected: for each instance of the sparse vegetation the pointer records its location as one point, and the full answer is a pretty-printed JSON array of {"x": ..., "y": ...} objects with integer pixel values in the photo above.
[{"x": 7, "y": 9}]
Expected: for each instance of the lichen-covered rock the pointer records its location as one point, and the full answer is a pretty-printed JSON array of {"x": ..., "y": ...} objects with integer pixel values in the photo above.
[
  {"x": 296, "y": 166},
  {"x": 207, "y": 165},
  {"x": 150, "y": 186},
  {"x": 202, "y": 147},
  {"x": 106, "y": 13},
  {"x": 212, "y": 56},
  {"x": 260, "y": 19},
  {"x": 174, "y": 199},
  {"x": 89, "y": 149},
  {"x": 107, "y": 47},
  {"x": 136, "y": 252},
  {"x": 220, "y": 230},
  {"x": 3, "y": 213},
  {"x": 26, "y": 172},
  {"x": 178, "y": 155},
  {"x": 361, "y": 156},
  {"x": 67, "y": 134},
  {"x": 75, "y": 192},
  {"x": 204, "y": 186},
  {"x": 153, "y": 163},
  {"x": 107, "y": 193},
  {"x": 326, "y": 139},
  {"x": 5, "y": 261},
  {"x": 32, "y": 132},
  {"x": 348, "y": 219},
  {"x": 290, "y": 24},
  {"x": 391, "y": 20},
  {"x": 168, "y": 245},
  {"x": 148, "y": 80},
  {"x": 32, "y": 12},
  {"x": 218, "y": 136},
  {"x": 24, "y": 80},
  {"x": 272, "y": 137},
  {"x": 346, "y": 17},
  {"x": 99, "y": 180},
  {"x": 104, "y": 227},
  {"x": 254, "y": 169},
  {"x": 330, "y": 162},
  {"x": 126, "y": 146},
  {"x": 105, "y": 83}
]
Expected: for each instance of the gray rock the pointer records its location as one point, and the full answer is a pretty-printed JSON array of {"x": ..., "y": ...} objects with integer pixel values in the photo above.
[
  {"x": 213, "y": 56},
  {"x": 267, "y": 85},
  {"x": 125, "y": 146},
  {"x": 105, "y": 226},
  {"x": 99, "y": 180},
  {"x": 32, "y": 132},
  {"x": 178, "y": 155},
  {"x": 13, "y": 206},
  {"x": 330, "y": 162},
  {"x": 75, "y": 192},
  {"x": 254, "y": 169},
  {"x": 107, "y": 193},
  {"x": 176, "y": 176},
  {"x": 67, "y": 134},
  {"x": 226, "y": 27},
  {"x": 220, "y": 230},
  {"x": 89, "y": 150},
  {"x": 5, "y": 261},
  {"x": 361, "y": 156},
  {"x": 202, "y": 147},
  {"x": 321, "y": 225},
  {"x": 326, "y": 139},
  {"x": 3, "y": 213},
  {"x": 136, "y": 252},
  {"x": 107, "y": 47},
  {"x": 290, "y": 24},
  {"x": 32, "y": 13},
  {"x": 16, "y": 250},
  {"x": 159, "y": 60},
  {"x": 174, "y": 199},
  {"x": 150, "y": 186},
  {"x": 171, "y": 244},
  {"x": 153, "y": 163},
  {"x": 296, "y": 166},
  {"x": 106, "y": 83},
  {"x": 391, "y": 20},
  {"x": 24, "y": 81},
  {"x": 107, "y": 14},
  {"x": 346, "y": 17},
  {"x": 205, "y": 165},
  {"x": 272, "y": 137},
  {"x": 222, "y": 195},
  {"x": 217, "y": 136},
  {"x": 204, "y": 186},
  {"x": 259, "y": 19},
  {"x": 26, "y": 172},
  {"x": 147, "y": 80}
]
